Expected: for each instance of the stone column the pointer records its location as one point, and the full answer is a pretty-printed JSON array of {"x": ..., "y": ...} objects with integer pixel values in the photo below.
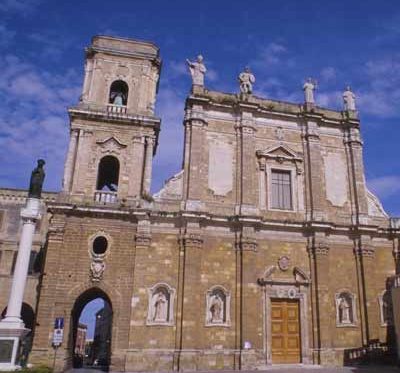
[
  {"x": 316, "y": 198},
  {"x": 12, "y": 328},
  {"x": 321, "y": 302},
  {"x": 360, "y": 204},
  {"x": 247, "y": 165},
  {"x": 191, "y": 323},
  {"x": 250, "y": 301},
  {"x": 365, "y": 266},
  {"x": 195, "y": 157},
  {"x": 136, "y": 167},
  {"x": 148, "y": 165},
  {"x": 70, "y": 161}
]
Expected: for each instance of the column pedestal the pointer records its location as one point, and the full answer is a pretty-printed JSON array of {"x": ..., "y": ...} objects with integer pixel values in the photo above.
[{"x": 12, "y": 328}]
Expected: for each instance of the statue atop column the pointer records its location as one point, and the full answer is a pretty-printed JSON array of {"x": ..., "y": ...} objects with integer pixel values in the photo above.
[
  {"x": 197, "y": 70},
  {"x": 246, "y": 81},
  {"x": 349, "y": 100},
  {"x": 37, "y": 178},
  {"x": 308, "y": 88}
]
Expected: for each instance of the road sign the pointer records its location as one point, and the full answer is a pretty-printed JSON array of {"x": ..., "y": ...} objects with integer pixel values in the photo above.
[{"x": 58, "y": 331}]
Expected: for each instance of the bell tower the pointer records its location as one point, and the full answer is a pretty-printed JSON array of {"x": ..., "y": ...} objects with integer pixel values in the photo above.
[{"x": 113, "y": 129}]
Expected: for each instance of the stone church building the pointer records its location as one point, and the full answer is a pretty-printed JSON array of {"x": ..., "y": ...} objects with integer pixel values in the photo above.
[{"x": 266, "y": 248}]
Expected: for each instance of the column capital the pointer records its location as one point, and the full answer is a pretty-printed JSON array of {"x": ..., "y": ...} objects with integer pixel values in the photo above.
[
  {"x": 365, "y": 251},
  {"x": 320, "y": 249}
]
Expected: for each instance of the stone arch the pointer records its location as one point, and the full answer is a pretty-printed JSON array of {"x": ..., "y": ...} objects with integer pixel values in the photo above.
[
  {"x": 108, "y": 171},
  {"x": 80, "y": 303}
]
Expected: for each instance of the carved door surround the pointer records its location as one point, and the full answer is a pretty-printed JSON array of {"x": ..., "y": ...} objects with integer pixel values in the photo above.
[{"x": 283, "y": 288}]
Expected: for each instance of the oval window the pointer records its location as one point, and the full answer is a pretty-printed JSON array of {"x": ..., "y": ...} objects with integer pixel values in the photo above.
[{"x": 100, "y": 245}]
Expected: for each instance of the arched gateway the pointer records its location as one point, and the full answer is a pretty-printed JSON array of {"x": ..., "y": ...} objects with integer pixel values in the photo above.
[{"x": 99, "y": 352}]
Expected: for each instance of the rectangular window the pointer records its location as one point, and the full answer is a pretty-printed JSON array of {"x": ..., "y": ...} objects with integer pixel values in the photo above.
[
  {"x": 281, "y": 190},
  {"x": 32, "y": 260}
]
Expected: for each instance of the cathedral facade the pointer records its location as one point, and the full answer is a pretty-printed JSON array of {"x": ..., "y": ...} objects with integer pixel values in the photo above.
[{"x": 266, "y": 248}]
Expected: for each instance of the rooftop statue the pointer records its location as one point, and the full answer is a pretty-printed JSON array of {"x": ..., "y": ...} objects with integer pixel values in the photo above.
[
  {"x": 197, "y": 70},
  {"x": 309, "y": 87},
  {"x": 349, "y": 100},
  {"x": 246, "y": 81},
  {"x": 37, "y": 178}
]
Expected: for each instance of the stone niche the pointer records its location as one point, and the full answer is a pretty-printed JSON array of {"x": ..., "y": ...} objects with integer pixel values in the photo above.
[
  {"x": 218, "y": 301},
  {"x": 161, "y": 299}
]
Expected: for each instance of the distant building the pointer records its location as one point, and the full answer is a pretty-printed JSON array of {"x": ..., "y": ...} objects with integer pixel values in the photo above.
[{"x": 80, "y": 341}]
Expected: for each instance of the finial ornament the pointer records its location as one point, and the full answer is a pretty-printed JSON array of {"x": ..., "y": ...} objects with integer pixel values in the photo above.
[
  {"x": 349, "y": 100},
  {"x": 197, "y": 70},
  {"x": 37, "y": 178},
  {"x": 246, "y": 81},
  {"x": 309, "y": 86}
]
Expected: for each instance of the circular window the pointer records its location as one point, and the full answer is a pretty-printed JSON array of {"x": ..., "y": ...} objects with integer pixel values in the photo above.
[{"x": 100, "y": 245}]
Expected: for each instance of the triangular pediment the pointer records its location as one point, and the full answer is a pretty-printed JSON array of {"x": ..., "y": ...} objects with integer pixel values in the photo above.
[
  {"x": 112, "y": 141},
  {"x": 279, "y": 151}
]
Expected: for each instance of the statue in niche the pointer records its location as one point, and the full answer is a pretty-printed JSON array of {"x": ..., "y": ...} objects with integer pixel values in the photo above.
[
  {"x": 246, "y": 81},
  {"x": 217, "y": 309},
  {"x": 36, "y": 182},
  {"x": 349, "y": 100},
  {"x": 344, "y": 309},
  {"x": 309, "y": 87},
  {"x": 160, "y": 307},
  {"x": 197, "y": 70},
  {"x": 387, "y": 308}
]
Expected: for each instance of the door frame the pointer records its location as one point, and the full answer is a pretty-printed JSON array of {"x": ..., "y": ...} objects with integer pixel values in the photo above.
[{"x": 276, "y": 289}]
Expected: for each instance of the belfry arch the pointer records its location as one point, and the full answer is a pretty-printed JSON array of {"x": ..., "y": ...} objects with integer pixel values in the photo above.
[{"x": 103, "y": 328}]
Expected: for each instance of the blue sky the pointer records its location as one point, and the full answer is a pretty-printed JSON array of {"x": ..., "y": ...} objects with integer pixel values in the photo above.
[{"x": 336, "y": 42}]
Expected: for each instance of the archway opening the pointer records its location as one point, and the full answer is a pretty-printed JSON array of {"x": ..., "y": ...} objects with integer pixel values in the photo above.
[
  {"x": 119, "y": 93},
  {"x": 91, "y": 330},
  {"x": 108, "y": 174}
]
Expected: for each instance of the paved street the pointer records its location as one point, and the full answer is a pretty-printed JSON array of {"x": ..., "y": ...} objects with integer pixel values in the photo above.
[{"x": 297, "y": 369}]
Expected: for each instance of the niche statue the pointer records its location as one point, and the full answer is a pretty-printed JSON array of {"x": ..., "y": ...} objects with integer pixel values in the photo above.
[{"x": 37, "y": 178}]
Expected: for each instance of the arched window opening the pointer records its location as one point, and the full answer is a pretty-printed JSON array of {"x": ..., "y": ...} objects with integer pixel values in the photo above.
[
  {"x": 119, "y": 93},
  {"x": 108, "y": 174},
  {"x": 92, "y": 330}
]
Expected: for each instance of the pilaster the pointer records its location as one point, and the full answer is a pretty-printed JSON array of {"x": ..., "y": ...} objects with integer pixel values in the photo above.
[
  {"x": 316, "y": 199},
  {"x": 321, "y": 303}
]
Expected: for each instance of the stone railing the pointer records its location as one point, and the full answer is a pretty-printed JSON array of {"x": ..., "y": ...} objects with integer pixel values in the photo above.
[
  {"x": 116, "y": 109},
  {"x": 105, "y": 197}
]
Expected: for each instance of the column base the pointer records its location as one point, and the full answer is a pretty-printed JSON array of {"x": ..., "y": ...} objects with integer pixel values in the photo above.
[{"x": 11, "y": 333}]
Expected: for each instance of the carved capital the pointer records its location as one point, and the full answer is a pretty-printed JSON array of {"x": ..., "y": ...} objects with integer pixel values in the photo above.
[
  {"x": 248, "y": 244},
  {"x": 365, "y": 251},
  {"x": 320, "y": 249},
  {"x": 143, "y": 240},
  {"x": 192, "y": 240}
]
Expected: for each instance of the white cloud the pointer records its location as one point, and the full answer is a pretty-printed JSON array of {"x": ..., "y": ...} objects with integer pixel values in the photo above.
[
  {"x": 270, "y": 55},
  {"x": 385, "y": 186},
  {"x": 328, "y": 73},
  {"x": 33, "y": 120}
]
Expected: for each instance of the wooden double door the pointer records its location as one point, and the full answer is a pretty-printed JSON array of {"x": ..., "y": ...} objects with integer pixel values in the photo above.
[{"x": 285, "y": 331}]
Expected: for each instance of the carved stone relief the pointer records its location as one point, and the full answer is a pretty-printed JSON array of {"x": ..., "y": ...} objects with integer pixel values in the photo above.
[{"x": 99, "y": 248}]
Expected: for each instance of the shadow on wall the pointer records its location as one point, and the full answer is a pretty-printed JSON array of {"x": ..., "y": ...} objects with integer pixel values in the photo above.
[{"x": 377, "y": 352}]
